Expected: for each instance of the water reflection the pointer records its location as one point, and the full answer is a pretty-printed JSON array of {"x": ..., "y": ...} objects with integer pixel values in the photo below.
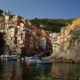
[
  {"x": 65, "y": 71},
  {"x": 31, "y": 71},
  {"x": 10, "y": 70},
  {"x": 16, "y": 70}
]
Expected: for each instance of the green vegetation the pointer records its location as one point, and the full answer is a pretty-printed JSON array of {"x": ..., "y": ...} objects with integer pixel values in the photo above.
[
  {"x": 54, "y": 25},
  {"x": 43, "y": 78}
]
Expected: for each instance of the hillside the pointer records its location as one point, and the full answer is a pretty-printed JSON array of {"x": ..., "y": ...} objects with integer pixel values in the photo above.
[
  {"x": 66, "y": 47},
  {"x": 54, "y": 25},
  {"x": 26, "y": 37}
]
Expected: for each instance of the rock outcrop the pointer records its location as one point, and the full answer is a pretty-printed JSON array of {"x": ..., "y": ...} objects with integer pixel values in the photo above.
[{"x": 69, "y": 49}]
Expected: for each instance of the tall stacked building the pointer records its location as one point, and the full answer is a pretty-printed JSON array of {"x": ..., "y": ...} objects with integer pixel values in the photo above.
[{"x": 21, "y": 36}]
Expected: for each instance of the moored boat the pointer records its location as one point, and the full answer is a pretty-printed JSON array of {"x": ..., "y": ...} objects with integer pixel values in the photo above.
[
  {"x": 37, "y": 60},
  {"x": 44, "y": 62},
  {"x": 32, "y": 59},
  {"x": 9, "y": 57},
  {"x": 12, "y": 57}
]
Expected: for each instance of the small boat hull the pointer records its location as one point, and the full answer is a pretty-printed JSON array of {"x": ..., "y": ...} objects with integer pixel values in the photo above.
[
  {"x": 12, "y": 58},
  {"x": 44, "y": 62},
  {"x": 37, "y": 60}
]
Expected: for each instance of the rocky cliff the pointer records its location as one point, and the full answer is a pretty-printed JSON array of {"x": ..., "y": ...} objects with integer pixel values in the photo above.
[{"x": 69, "y": 49}]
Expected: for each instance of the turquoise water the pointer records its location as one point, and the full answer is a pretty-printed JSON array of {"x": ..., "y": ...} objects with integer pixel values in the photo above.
[{"x": 16, "y": 70}]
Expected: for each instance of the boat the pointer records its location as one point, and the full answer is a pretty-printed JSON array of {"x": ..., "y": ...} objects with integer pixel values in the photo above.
[
  {"x": 44, "y": 62},
  {"x": 8, "y": 57},
  {"x": 12, "y": 57},
  {"x": 32, "y": 59},
  {"x": 37, "y": 60}
]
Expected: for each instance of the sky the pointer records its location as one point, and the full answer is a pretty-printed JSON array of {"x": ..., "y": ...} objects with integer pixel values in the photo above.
[{"x": 59, "y": 9}]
